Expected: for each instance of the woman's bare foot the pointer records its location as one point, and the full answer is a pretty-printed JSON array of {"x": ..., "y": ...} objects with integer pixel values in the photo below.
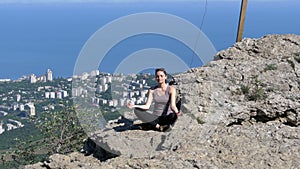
[{"x": 157, "y": 126}]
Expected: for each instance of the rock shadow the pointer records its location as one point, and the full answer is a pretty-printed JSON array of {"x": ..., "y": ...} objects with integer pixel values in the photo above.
[{"x": 124, "y": 124}]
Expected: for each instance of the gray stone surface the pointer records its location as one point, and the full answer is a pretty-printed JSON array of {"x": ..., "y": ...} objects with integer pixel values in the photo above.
[{"x": 241, "y": 110}]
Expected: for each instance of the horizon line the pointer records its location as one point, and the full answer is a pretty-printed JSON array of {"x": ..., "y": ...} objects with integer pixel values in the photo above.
[{"x": 113, "y": 1}]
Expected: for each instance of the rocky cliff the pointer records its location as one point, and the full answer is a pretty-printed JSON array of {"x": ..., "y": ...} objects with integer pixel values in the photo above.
[{"x": 241, "y": 110}]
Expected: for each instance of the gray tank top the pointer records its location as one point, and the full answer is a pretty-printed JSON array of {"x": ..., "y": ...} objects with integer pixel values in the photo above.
[{"x": 160, "y": 101}]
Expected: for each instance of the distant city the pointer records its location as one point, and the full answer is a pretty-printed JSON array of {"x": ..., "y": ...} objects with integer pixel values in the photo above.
[
  {"x": 114, "y": 90},
  {"x": 19, "y": 98},
  {"x": 30, "y": 96},
  {"x": 33, "y": 78}
]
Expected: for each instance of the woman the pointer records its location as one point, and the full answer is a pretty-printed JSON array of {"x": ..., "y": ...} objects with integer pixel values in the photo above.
[{"x": 164, "y": 96}]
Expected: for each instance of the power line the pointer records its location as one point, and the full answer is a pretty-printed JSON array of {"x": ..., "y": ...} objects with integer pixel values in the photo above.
[
  {"x": 204, "y": 14},
  {"x": 202, "y": 22}
]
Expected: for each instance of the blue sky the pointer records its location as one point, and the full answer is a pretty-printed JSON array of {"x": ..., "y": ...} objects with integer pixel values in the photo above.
[
  {"x": 117, "y": 1},
  {"x": 37, "y": 37}
]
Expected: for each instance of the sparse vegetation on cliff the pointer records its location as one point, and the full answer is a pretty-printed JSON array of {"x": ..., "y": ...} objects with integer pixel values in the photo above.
[{"x": 249, "y": 99}]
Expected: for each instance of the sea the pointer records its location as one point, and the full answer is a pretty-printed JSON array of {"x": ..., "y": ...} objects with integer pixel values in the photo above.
[{"x": 35, "y": 37}]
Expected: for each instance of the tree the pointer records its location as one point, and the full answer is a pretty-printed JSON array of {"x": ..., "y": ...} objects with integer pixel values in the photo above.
[{"x": 61, "y": 132}]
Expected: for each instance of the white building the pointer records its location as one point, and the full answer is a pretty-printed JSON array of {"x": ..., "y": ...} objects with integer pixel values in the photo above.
[
  {"x": 104, "y": 87},
  {"x": 110, "y": 103},
  {"x": 52, "y": 95},
  {"x": 47, "y": 95},
  {"x": 31, "y": 109},
  {"x": 42, "y": 78},
  {"x": 51, "y": 107},
  {"x": 18, "y": 97},
  {"x": 1, "y": 128},
  {"x": 102, "y": 102},
  {"x": 109, "y": 79},
  {"x": 139, "y": 101},
  {"x": 15, "y": 123},
  {"x": 144, "y": 93},
  {"x": 125, "y": 94},
  {"x": 141, "y": 86},
  {"x": 84, "y": 93},
  {"x": 131, "y": 94},
  {"x": 84, "y": 76},
  {"x": 122, "y": 101},
  {"x": 21, "y": 78},
  {"x": 7, "y": 108},
  {"x": 115, "y": 102},
  {"x": 133, "y": 100},
  {"x": 47, "y": 87},
  {"x": 32, "y": 78},
  {"x": 49, "y": 75},
  {"x": 11, "y": 127},
  {"x": 103, "y": 81},
  {"x": 21, "y": 107},
  {"x": 99, "y": 89},
  {"x": 5, "y": 80},
  {"x": 75, "y": 92},
  {"x": 64, "y": 93},
  {"x": 14, "y": 106},
  {"x": 119, "y": 79},
  {"x": 97, "y": 101},
  {"x": 3, "y": 113},
  {"x": 58, "y": 95},
  {"x": 40, "y": 88},
  {"x": 94, "y": 72}
]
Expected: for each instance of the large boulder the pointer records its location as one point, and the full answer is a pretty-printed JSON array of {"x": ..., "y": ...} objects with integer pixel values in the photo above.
[{"x": 241, "y": 110}]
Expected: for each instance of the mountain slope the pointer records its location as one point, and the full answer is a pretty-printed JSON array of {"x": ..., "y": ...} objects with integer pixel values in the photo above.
[{"x": 241, "y": 110}]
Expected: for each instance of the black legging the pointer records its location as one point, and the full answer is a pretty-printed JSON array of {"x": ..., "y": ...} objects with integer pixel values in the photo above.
[
  {"x": 148, "y": 117},
  {"x": 167, "y": 119}
]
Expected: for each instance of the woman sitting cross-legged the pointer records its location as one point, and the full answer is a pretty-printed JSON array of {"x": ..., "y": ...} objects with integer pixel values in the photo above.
[{"x": 165, "y": 111}]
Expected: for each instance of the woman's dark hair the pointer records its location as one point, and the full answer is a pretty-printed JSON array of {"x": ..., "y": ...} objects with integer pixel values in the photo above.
[
  {"x": 163, "y": 70},
  {"x": 160, "y": 69}
]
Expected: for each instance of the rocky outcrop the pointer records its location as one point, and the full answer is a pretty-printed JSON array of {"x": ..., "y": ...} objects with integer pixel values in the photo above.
[{"x": 241, "y": 110}]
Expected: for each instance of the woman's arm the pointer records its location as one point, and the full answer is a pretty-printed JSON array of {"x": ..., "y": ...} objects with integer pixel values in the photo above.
[
  {"x": 173, "y": 100},
  {"x": 147, "y": 105}
]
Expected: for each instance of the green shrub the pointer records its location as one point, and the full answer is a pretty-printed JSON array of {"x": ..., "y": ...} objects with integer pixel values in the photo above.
[
  {"x": 254, "y": 90},
  {"x": 61, "y": 133},
  {"x": 245, "y": 89},
  {"x": 270, "y": 67},
  {"x": 257, "y": 94},
  {"x": 200, "y": 121}
]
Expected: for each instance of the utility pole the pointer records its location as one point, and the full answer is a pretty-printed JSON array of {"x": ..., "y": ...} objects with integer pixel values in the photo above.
[{"x": 242, "y": 20}]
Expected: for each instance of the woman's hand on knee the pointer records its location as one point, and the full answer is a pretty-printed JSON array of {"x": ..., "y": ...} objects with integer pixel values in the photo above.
[
  {"x": 179, "y": 113},
  {"x": 130, "y": 105}
]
